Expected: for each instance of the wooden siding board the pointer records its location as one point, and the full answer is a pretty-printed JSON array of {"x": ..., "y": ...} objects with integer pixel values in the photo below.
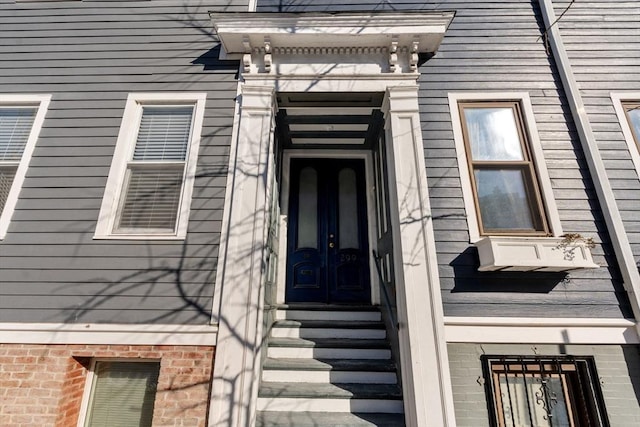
[{"x": 603, "y": 44}]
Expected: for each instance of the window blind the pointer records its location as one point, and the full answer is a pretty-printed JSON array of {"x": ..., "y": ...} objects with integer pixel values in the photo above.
[
  {"x": 7, "y": 173},
  {"x": 15, "y": 127},
  {"x": 164, "y": 133},
  {"x": 152, "y": 199},
  {"x": 123, "y": 394}
]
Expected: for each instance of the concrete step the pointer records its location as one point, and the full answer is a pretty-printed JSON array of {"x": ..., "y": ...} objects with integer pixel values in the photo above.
[
  {"x": 349, "y": 398},
  {"x": 330, "y": 371},
  {"x": 324, "y": 419},
  {"x": 328, "y": 329},
  {"x": 334, "y": 348},
  {"x": 329, "y": 314},
  {"x": 329, "y": 366}
]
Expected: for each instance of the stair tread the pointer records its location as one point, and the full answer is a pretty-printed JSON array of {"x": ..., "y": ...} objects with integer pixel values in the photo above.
[
  {"x": 326, "y": 307},
  {"x": 330, "y": 391},
  {"x": 332, "y": 324},
  {"x": 329, "y": 343},
  {"x": 324, "y": 364},
  {"x": 327, "y": 419}
]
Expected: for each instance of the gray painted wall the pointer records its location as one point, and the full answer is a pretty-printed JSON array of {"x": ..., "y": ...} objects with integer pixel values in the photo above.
[
  {"x": 618, "y": 368},
  {"x": 496, "y": 46},
  {"x": 89, "y": 55}
]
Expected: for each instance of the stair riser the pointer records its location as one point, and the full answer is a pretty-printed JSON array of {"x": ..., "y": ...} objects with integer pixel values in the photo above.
[
  {"x": 330, "y": 405},
  {"x": 329, "y": 377},
  {"x": 322, "y": 419},
  {"x": 353, "y": 316},
  {"x": 328, "y": 353},
  {"x": 328, "y": 333}
]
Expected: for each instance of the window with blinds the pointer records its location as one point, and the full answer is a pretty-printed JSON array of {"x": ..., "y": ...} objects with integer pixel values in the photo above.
[
  {"x": 152, "y": 175},
  {"x": 15, "y": 127},
  {"x": 122, "y": 394},
  {"x": 152, "y": 189}
]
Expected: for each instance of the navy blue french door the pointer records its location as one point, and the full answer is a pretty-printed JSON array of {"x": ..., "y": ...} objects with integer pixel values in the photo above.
[{"x": 327, "y": 246}]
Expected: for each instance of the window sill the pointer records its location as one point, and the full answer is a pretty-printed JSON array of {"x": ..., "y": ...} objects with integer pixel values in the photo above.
[
  {"x": 138, "y": 237},
  {"x": 553, "y": 254}
]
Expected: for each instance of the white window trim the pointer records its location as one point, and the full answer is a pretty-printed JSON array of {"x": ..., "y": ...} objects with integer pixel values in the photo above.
[
  {"x": 618, "y": 98},
  {"x": 550, "y": 207},
  {"x": 41, "y": 102},
  {"x": 88, "y": 384},
  {"x": 124, "y": 147}
]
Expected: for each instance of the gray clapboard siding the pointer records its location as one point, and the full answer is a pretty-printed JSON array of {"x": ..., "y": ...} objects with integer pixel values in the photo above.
[
  {"x": 610, "y": 63},
  {"x": 89, "y": 56}
]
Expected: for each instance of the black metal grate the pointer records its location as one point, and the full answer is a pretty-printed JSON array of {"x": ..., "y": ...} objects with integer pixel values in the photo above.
[{"x": 543, "y": 391}]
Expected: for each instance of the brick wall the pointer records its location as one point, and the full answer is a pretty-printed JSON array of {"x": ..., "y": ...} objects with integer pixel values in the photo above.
[
  {"x": 43, "y": 385},
  {"x": 618, "y": 368}
]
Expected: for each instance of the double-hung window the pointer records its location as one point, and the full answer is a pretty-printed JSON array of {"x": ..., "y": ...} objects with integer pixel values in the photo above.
[
  {"x": 632, "y": 111},
  {"x": 627, "y": 107},
  {"x": 502, "y": 173},
  {"x": 21, "y": 117},
  {"x": 560, "y": 391},
  {"x": 151, "y": 179},
  {"x": 505, "y": 183}
]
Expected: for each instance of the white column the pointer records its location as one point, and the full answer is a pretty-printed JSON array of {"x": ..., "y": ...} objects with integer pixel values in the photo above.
[
  {"x": 423, "y": 352},
  {"x": 236, "y": 364}
]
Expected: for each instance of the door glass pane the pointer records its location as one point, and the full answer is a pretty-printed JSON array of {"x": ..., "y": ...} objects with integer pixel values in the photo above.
[
  {"x": 503, "y": 201},
  {"x": 493, "y": 134},
  {"x": 348, "y": 209},
  {"x": 308, "y": 209},
  {"x": 382, "y": 191}
]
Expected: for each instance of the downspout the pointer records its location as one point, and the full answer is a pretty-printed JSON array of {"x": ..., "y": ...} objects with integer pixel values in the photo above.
[{"x": 613, "y": 220}]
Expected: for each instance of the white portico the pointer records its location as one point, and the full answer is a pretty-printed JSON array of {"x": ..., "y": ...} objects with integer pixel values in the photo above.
[{"x": 336, "y": 56}]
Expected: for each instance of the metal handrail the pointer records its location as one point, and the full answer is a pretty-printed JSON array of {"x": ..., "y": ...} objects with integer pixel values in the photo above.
[{"x": 387, "y": 300}]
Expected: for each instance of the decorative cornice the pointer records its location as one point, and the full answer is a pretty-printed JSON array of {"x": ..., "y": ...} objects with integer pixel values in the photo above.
[{"x": 392, "y": 40}]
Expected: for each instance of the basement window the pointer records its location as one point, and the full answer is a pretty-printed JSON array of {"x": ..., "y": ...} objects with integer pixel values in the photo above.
[
  {"x": 560, "y": 391},
  {"x": 122, "y": 393}
]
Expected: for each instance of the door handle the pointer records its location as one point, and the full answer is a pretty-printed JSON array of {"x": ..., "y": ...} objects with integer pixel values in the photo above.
[{"x": 331, "y": 244}]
